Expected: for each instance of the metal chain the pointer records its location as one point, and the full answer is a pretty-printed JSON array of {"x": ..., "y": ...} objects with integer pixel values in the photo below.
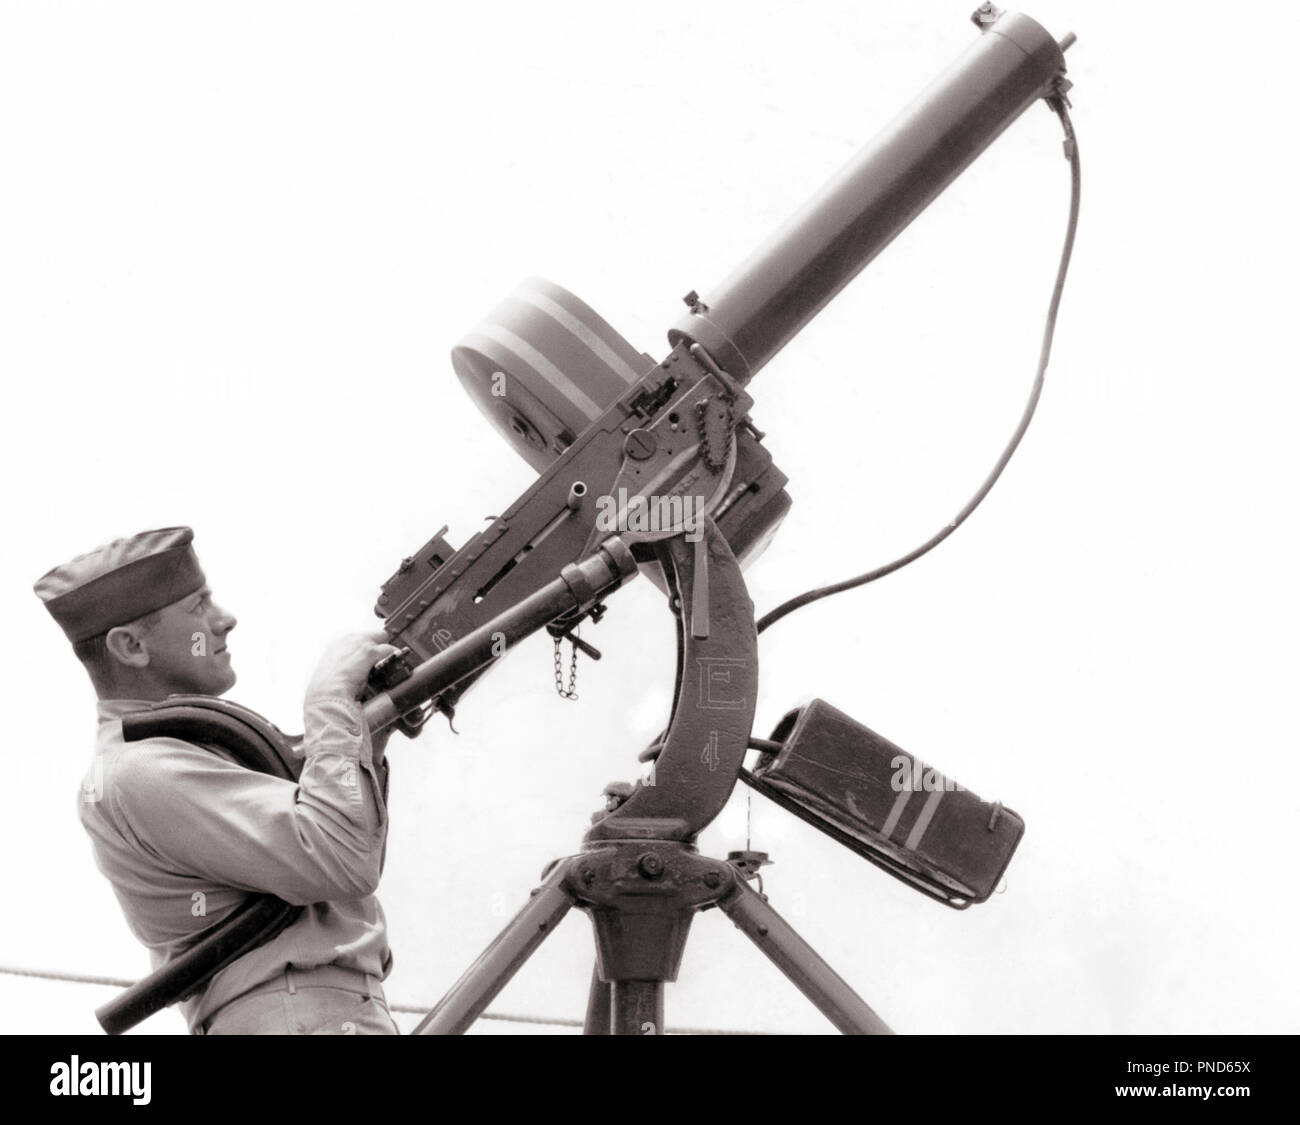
[{"x": 559, "y": 673}]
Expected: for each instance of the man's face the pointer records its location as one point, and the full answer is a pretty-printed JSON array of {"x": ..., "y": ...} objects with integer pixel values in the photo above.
[{"x": 187, "y": 646}]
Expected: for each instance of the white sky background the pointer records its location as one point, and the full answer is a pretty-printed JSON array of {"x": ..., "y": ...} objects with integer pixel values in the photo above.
[{"x": 237, "y": 242}]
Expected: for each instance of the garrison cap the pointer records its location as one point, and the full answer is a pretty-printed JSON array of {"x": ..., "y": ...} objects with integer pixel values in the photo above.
[{"x": 121, "y": 581}]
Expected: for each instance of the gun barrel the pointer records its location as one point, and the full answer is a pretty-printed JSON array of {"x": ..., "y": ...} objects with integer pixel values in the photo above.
[{"x": 763, "y": 304}]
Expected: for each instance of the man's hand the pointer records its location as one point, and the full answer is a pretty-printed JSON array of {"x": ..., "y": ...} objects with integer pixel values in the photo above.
[{"x": 342, "y": 671}]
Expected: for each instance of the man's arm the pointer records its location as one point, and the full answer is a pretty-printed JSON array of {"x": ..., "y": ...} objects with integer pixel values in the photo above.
[{"x": 320, "y": 839}]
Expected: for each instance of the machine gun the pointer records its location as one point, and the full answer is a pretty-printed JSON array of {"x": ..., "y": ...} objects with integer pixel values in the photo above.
[
  {"x": 608, "y": 428},
  {"x": 656, "y": 467},
  {"x": 619, "y": 440}
]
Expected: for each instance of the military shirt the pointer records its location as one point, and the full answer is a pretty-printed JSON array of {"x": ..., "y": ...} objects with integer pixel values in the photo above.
[{"x": 185, "y": 834}]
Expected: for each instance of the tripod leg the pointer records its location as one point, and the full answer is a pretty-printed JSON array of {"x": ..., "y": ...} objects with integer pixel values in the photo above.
[
  {"x": 598, "y": 1001},
  {"x": 470, "y": 995},
  {"x": 805, "y": 969}
]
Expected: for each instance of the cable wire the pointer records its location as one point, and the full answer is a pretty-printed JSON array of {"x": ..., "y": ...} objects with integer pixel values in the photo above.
[
  {"x": 1059, "y": 106},
  {"x": 409, "y": 1009}
]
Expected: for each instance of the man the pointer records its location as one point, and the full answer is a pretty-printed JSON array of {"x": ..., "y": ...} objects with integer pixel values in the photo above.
[{"x": 185, "y": 834}]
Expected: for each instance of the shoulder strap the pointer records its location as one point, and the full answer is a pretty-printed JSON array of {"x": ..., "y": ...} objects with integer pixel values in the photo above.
[{"x": 259, "y": 745}]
